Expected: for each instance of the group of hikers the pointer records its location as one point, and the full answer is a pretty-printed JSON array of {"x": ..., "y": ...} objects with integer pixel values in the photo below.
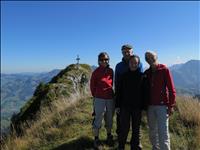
[{"x": 133, "y": 91}]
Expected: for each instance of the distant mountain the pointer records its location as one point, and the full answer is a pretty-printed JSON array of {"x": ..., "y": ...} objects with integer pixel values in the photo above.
[
  {"x": 187, "y": 77},
  {"x": 176, "y": 66},
  {"x": 93, "y": 67},
  {"x": 16, "y": 89},
  {"x": 65, "y": 126}
]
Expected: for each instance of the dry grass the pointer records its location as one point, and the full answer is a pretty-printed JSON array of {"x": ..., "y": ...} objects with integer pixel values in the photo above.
[
  {"x": 67, "y": 125},
  {"x": 189, "y": 110},
  {"x": 47, "y": 127},
  {"x": 185, "y": 124}
]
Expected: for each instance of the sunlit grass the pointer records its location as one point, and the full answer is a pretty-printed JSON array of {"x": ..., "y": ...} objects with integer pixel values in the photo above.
[{"x": 68, "y": 126}]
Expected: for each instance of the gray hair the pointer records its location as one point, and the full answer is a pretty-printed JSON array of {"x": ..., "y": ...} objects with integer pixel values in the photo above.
[{"x": 152, "y": 53}]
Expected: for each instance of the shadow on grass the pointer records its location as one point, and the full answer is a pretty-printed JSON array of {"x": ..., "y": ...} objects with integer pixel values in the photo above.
[{"x": 83, "y": 143}]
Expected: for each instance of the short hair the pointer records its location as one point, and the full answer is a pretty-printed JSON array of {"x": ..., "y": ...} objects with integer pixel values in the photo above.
[
  {"x": 126, "y": 46},
  {"x": 103, "y": 54},
  {"x": 152, "y": 53},
  {"x": 135, "y": 56}
]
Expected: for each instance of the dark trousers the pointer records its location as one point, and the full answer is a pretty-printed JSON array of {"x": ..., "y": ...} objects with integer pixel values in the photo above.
[
  {"x": 128, "y": 115},
  {"x": 118, "y": 123}
]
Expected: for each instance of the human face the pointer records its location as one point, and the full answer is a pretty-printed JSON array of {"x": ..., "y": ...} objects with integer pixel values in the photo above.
[
  {"x": 104, "y": 60},
  {"x": 150, "y": 59},
  {"x": 127, "y": 53},
  {"x": 133, "y": 64}
]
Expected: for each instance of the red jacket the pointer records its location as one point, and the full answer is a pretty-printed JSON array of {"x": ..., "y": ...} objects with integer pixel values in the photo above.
[
  {"x": 162, "y": 90},
  {"x": 101, "y": 83}
]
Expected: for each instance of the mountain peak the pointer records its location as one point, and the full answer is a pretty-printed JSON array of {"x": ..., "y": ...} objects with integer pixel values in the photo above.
[
  {"x": 193, "y": 62},
  {"x": 67, "y": 81},
  {"x": 186, "y": 77}
]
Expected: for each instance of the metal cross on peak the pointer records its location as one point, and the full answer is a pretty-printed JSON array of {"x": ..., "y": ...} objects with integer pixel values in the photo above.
[{"x": 77, "y": 59}]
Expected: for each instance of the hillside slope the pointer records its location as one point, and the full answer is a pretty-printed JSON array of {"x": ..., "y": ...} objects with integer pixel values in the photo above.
[
  {"x": 68, "y": 127},
  {"x": 69, "y": 80},
  {"x": 16, "y": 89}
]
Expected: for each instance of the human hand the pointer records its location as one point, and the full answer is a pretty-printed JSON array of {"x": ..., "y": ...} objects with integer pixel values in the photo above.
[
  {"x": 170, "y": 111},
  {"x": 117, "y": 110},
  {"x": 93, "y": 113}
]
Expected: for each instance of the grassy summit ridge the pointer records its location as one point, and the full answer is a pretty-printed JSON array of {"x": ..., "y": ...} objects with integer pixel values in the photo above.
[
  {"x": 63, "y": 121},
  {"x": 72, "y": 79}
]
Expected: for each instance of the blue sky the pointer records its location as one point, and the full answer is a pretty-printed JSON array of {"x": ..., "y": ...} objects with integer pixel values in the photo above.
[{"x": 41, "y": 36}]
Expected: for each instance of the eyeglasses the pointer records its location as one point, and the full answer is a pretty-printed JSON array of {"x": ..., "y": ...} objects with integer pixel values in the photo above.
[{"x": 104, "y": 59}]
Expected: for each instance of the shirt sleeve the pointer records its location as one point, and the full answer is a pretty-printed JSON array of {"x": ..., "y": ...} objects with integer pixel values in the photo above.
[
  {"x": 171, "y": 88},
  {"x": 116, "y": 78},
  {"x": 141, "y": 67},
  {"x": 118, "y": 94},
  {"x": 93, "y": 83}
]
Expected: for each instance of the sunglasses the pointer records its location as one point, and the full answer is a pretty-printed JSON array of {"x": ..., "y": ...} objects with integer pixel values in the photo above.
[{"x": 104, "y": 59}]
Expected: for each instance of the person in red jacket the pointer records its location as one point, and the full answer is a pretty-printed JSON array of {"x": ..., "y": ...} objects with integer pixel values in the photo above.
[
  {"x": 161, "y": 102},
  {"x": 101, "y": 86}
]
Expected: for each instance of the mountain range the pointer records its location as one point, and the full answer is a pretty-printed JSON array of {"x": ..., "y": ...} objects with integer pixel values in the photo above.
[
  {"x": 16, "y": 89},
  {"x": 187, "y": 77},
  {"x": 58, "y": 116}
]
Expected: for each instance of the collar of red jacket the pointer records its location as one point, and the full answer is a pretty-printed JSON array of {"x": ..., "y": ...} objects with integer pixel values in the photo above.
[
  {"x": 102, "y": 67},
  {"x": 159, "y": 67}
]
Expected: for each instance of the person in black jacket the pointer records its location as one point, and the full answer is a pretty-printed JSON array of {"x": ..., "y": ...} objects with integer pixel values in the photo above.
[{"x": 130, "y": 102}]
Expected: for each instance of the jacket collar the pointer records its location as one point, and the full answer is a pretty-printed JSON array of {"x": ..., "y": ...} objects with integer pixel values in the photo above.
[
  {"x": 158, "y": 67},
  {"x": 124, "y": 61}
]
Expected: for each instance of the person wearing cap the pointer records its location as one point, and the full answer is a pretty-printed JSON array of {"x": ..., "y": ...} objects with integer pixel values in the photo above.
[
  {"x": 161, "y": 102},
  {"x": 121, "y": 68},
  {"x": 130, "y": 100},
  {"x": 101, "y": 86}
]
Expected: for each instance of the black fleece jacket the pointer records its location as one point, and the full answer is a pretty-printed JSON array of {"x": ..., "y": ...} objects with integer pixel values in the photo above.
[{"x": 132, "y": 91}]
